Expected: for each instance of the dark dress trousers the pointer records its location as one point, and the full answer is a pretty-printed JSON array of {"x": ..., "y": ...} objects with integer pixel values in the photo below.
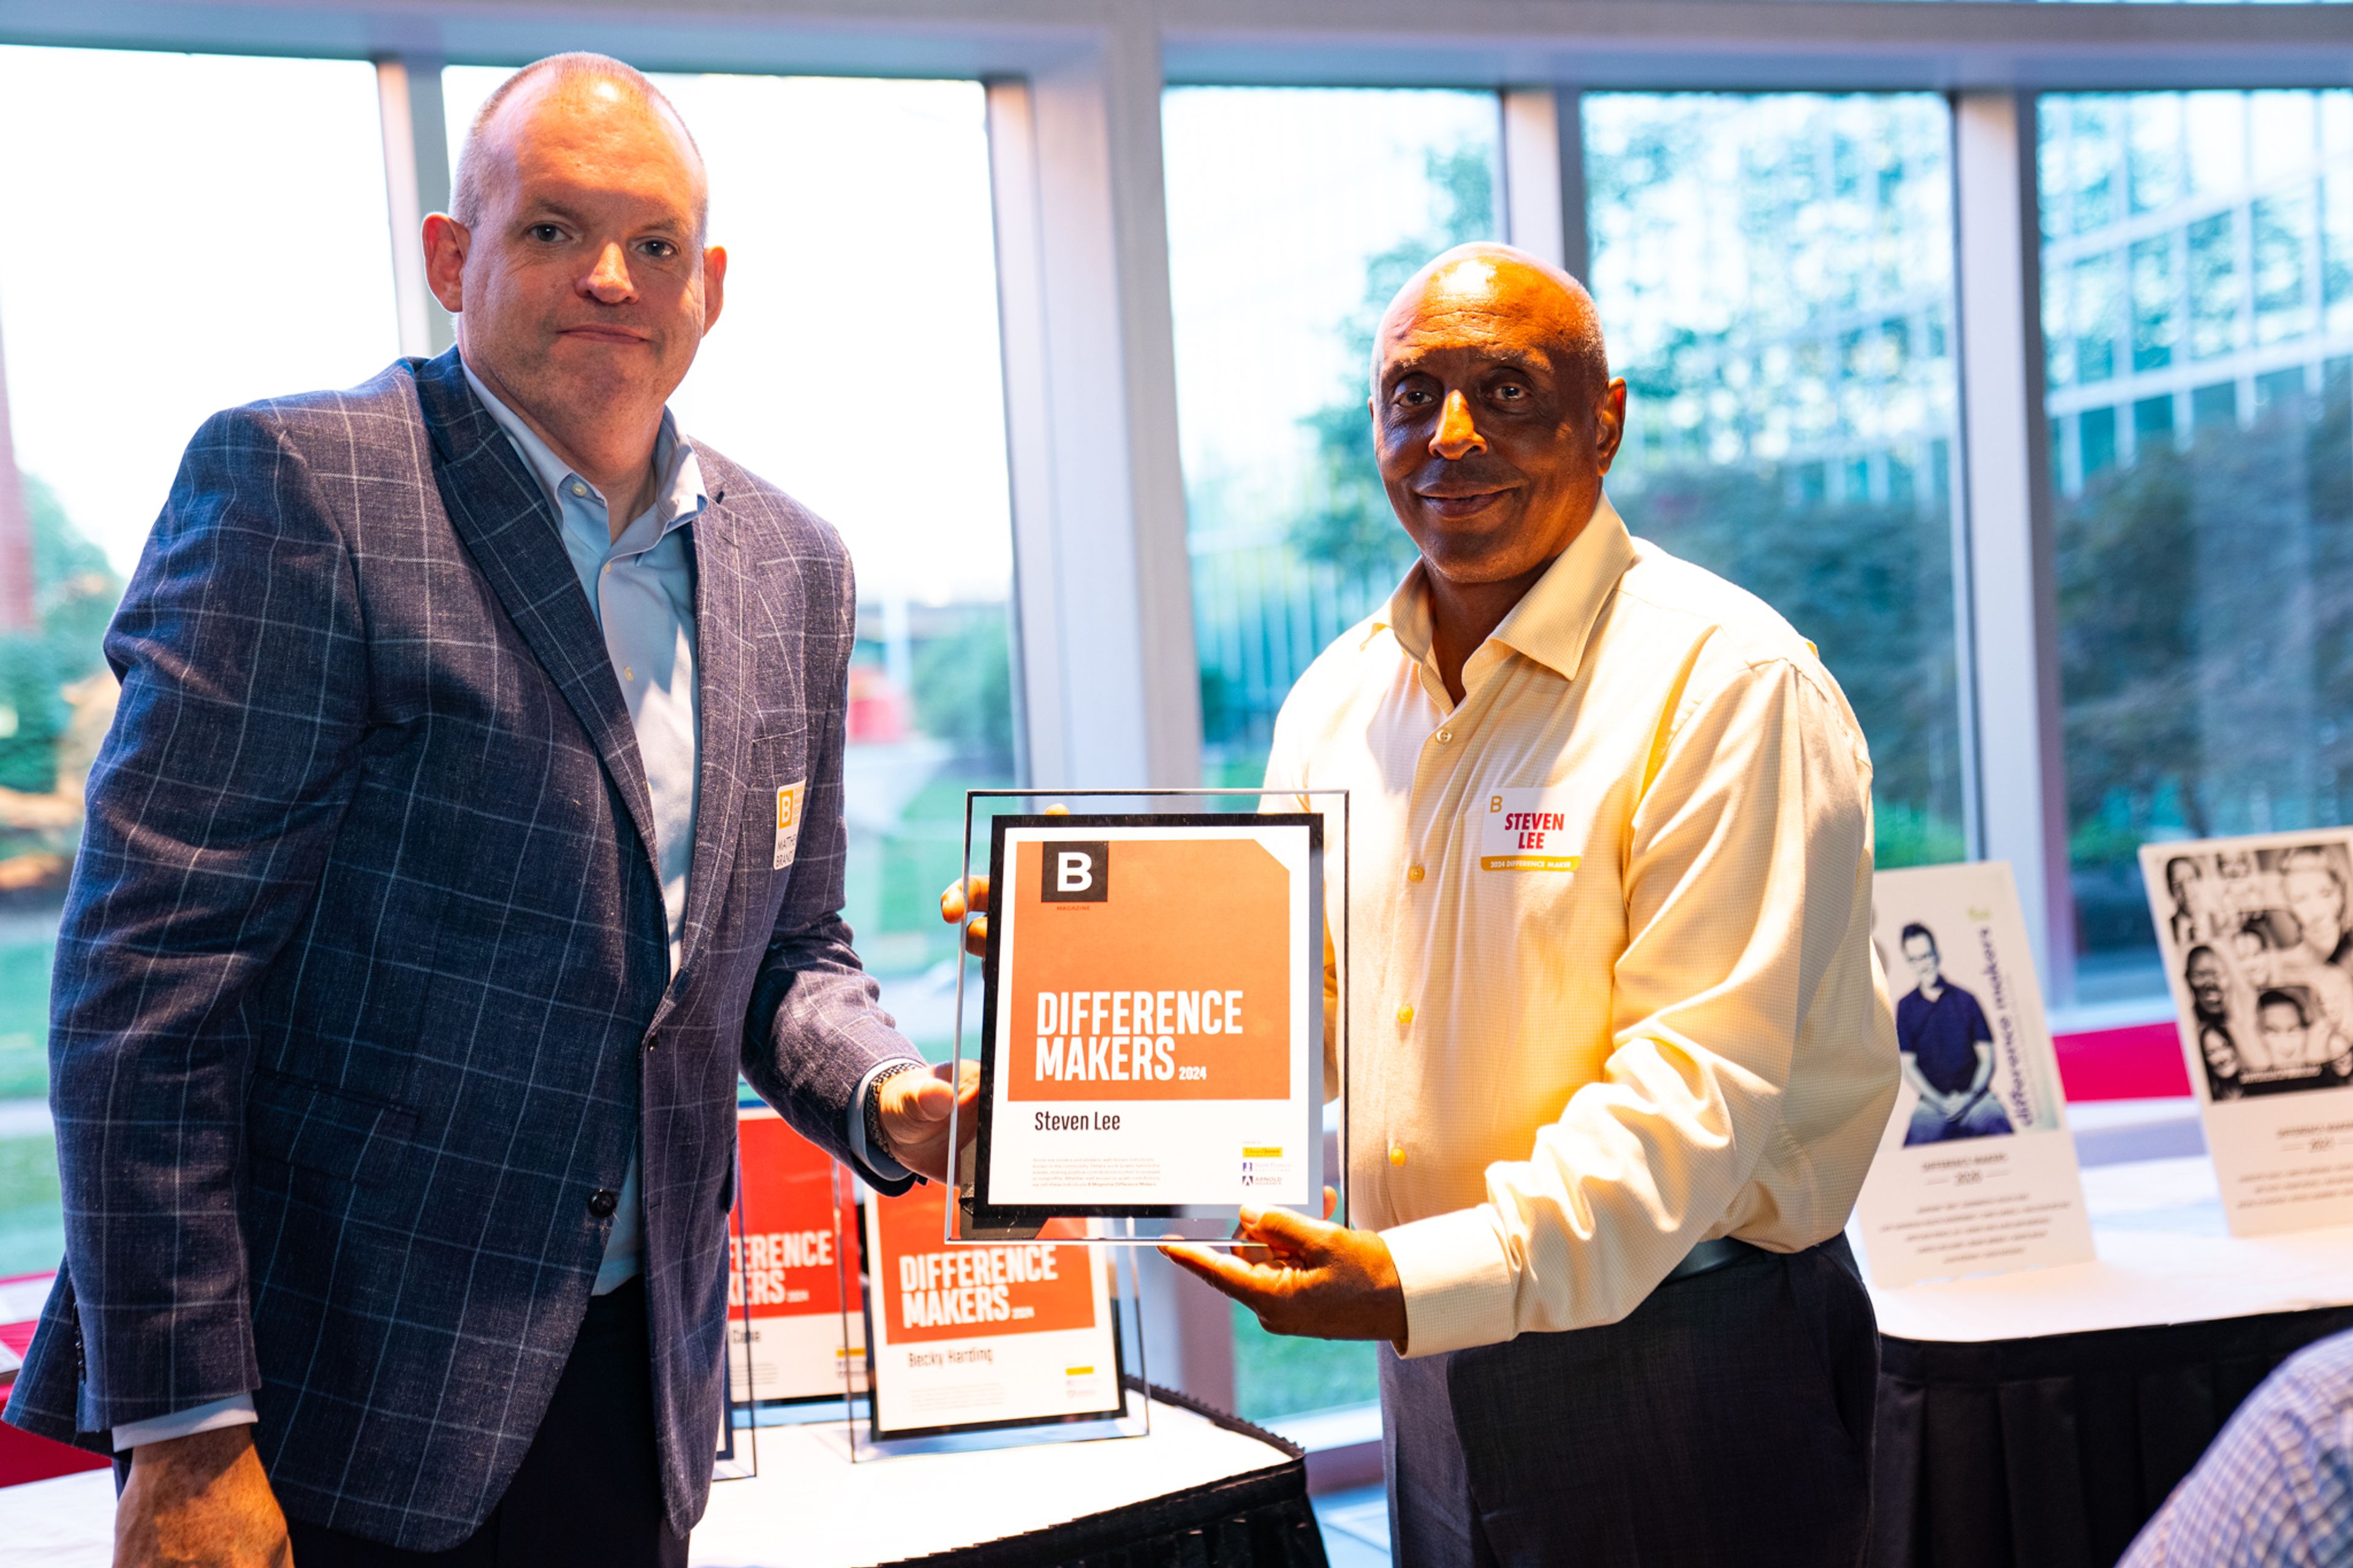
[
  {"x": 364, "y": 995},
  {"x": 1726, "y": 1420}
]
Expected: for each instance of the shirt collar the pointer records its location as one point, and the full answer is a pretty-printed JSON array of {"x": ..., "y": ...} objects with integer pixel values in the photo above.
[
  {"x": 678, "y": 497},
  {"x": 1554, "y": 619}
]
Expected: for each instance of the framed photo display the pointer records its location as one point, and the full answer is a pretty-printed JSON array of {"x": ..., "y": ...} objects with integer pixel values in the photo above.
[
  {"x": 1976, "y": 1171},
  {"x": 1152, "y": 1031},
  {"x": 2257, "y": 940}
]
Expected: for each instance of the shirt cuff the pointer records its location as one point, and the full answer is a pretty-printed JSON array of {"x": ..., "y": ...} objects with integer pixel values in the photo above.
[
  {"x": 237, "y": 1410},
  {"x": 1458, "y": 1282},
  {"x": 872, "y": 1162}
]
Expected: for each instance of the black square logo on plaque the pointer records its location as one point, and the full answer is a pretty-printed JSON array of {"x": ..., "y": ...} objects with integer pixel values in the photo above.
[{"x": 1074, "y": 872}]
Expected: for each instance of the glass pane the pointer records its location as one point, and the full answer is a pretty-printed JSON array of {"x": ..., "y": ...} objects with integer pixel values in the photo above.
[
  {"x": 804, "y": 379},
  {"x": 223, "y": 277},
  {"x": 1774, "y": 277},
  {"x": 2205, "y": 505},
  {"x": 1294, "y": 214}
]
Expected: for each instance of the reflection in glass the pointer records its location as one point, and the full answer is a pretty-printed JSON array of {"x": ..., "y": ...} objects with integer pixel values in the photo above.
[
  {"x": 1294, "y": 214},
  {"x": 2205, "y": 499},
  {"x": 1774, "y": 277},
  {"x": 856, "y": 366}
]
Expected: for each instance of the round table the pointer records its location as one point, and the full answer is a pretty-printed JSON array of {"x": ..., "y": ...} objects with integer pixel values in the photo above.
[{"x": 2039, "y": 1418}]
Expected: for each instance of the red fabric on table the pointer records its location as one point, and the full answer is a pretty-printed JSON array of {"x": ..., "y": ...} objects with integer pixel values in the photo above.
[
  {"x": 22, "y": 1457},
  {"x": 2141, "y": 1061}
]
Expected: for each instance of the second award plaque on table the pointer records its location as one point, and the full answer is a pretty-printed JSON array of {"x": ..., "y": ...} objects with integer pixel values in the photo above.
[{"x": 1152, "y": 1037}]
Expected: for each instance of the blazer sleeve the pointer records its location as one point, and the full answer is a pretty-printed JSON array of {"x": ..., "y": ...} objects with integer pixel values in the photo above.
[
  {"x": 211, "y": 809},
  {"x": 815, "y": 1027}
]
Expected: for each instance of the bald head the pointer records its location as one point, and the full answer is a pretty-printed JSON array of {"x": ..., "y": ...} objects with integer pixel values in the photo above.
[
  {"x": 574, "y": 261},
  {"x": 1495, "y": 418},
  {"x": 572, "y": 86},
  {"x": 1548, "y": 308}
]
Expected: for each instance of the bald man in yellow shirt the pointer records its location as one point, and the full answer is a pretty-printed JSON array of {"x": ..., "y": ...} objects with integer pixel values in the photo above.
[{"x": 1621, "y": 1050}]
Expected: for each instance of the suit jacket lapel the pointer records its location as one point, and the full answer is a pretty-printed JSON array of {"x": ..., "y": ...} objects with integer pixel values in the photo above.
[
  {"x": 723, "y": 663},
  {"x": 511, "y": 530}
]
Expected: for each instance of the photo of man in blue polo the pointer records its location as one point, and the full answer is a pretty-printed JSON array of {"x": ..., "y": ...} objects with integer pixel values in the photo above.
[{"x": 1947, "y": 1052}]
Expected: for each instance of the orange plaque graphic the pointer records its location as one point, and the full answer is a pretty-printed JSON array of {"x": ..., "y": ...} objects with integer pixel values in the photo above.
[
  {"x": 1154, "y": 992},
  {"x": 784, "y": 1273},
  {"x": 936, "y": 1292}
]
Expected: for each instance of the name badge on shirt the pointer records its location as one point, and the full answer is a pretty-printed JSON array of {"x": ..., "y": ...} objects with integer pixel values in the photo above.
[
  {"x": 789, "y": 822},
  {"x": 1526, "y": 830}
]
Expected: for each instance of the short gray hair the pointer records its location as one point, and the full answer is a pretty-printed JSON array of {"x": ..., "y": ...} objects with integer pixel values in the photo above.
[{"x": 466, "y": 190}]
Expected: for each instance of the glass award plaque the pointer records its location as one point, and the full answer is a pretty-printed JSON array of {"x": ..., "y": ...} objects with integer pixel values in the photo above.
[
  {"x": 1152, "y": 1017},
  {"x": 786, "y": 1336}
]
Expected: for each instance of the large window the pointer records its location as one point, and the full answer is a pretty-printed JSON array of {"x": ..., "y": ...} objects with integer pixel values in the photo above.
[
  {"x": 2198, "y": 318},
  {"x": 886, "y": 419},
  {"x": 1294, "y": 214},
  {"x": 225, "y": 242},
  {"x": 1775, "y": 279}
]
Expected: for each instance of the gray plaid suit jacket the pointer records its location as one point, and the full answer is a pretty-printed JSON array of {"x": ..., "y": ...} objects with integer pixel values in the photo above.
[{"x": 364, "y": 989}]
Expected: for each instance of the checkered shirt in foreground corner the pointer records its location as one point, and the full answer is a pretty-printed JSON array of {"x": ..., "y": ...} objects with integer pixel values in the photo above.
[{"x": 2276, "y": 1488}]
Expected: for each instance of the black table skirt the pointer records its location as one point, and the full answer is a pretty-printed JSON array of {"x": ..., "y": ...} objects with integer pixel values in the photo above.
[
  {"x": 2052, "y": 1452},
  {"x": 1261, "y": 1520}
]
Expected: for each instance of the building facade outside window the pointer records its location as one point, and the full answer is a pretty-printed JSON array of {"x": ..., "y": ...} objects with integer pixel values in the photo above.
[
  {"x": 1775, "y": 275},
  {"x": 157, "y": 267},
  {"x": 2198, "y": 322}
]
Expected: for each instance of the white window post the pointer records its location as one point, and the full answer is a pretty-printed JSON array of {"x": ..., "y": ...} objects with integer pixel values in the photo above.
[
  {"x": 2009, "y": 604},
  {"x": 417, "y": 181}
]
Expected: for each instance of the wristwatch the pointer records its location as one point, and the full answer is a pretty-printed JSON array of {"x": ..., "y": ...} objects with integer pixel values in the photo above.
[{"x": 876, "y": 1144}]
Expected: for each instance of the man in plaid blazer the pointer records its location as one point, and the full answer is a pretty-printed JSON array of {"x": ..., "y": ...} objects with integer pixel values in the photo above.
[{"x": 458, "y": 839}]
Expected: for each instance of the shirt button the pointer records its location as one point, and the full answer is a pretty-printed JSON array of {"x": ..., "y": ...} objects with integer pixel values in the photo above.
[
  {"x": 608, "y": 566},
  {"x": 578, "y": 489},
  {"x": 1413, "y": 873},
  {"x": 1405, "y": 1014},
  {"x": 1396, "y": 1154},
  {"x": 1445, "y": 737},
  {"x": 603, "y": 1201},
  {"x": 628, "y": 672}
]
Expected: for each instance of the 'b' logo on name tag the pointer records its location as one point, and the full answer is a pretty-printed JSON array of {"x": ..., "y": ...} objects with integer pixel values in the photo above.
[{"x": 788, "y": 823}]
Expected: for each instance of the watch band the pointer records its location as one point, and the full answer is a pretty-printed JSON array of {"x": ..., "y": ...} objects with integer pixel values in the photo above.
[{"x": 876, "y": 1144}]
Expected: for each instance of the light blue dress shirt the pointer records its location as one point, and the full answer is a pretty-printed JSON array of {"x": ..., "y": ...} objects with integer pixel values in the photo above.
[{"x": 641, "y": 588}]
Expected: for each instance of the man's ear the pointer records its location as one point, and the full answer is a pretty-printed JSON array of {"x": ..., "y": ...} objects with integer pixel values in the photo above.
[
  {"x": 714, "y": 284},
  {"x": 447, "y": 241},
  {"x": 1609, "y": 422}
]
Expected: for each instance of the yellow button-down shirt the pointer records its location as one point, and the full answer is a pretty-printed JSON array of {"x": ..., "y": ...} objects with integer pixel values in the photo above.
[{"x": 1613, "y": 992}]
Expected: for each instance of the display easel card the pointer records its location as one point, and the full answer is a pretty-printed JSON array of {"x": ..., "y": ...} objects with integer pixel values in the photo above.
[
  {"x": 1976, "y": 1172},
  {"x": 2257, "y": 941},
  {"x": 1152, "y": 1033},
  {"x": 968, "y": 1336},
  {"x": 784, "y": 1319}
]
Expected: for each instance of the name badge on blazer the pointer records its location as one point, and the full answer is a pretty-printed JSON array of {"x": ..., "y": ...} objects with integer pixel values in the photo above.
[
  {"x": 1527, "y": 830},
  {"x": 789, "y": 801}
]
